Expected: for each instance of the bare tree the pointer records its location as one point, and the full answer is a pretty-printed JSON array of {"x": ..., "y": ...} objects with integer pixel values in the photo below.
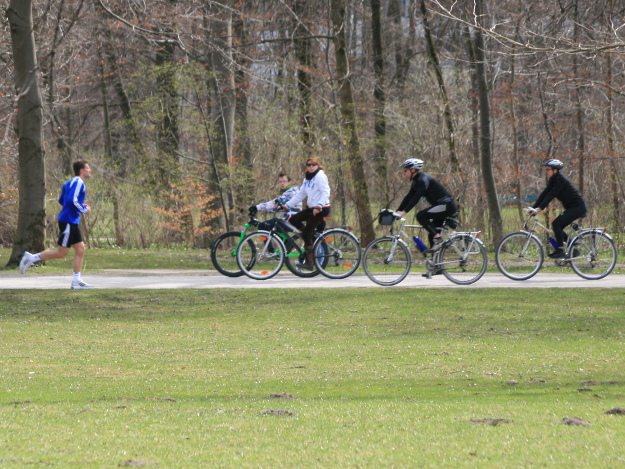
[
  {"x": 30, "y": 233},
  {"x": 477, "y": 43},
  {"x": 348, "y": 122}
]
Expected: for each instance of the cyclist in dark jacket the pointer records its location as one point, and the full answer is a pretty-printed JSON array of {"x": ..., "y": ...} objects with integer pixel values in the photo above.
[
  {"x": 559, "y": 187},
  {"x": 424, "y": 185}
]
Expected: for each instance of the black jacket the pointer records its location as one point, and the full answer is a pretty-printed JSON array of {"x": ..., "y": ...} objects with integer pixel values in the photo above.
[
  {"x": 424, "y": 185},
  {"x": 560, "y": 188}
]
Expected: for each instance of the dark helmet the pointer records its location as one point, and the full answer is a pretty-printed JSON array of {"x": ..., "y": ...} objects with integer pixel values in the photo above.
[
  {"x": 554, "y": 164},
  {"x": 412, "y": 163}
]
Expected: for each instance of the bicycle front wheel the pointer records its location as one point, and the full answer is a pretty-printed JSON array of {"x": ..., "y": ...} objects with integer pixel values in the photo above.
[
  {"x": 592, "y": 255},
  {"x": 224, "y": 254},
  {"x": 519, "y": 256},
  {"x": 342, "y": 254},
  {"x": 261, "y": 255},
  {"x": 463, "y": 259},
  {"x": 387, "y": 261}
]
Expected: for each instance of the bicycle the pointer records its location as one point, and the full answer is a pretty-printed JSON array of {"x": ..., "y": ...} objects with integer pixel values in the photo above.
[
  {"x": 460, "y": 256},
  {"x": 590, "y": 252},
  {"x": 225, "y": 247},
  {"x": 262, "y": 254}
]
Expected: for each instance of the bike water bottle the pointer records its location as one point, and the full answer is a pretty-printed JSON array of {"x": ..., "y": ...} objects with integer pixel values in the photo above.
[
  {"x": 419, "y": 243},
  {"x": 553, "y": 242}
]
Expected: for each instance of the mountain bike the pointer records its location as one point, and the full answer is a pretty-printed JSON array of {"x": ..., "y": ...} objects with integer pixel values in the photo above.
[
  {"x": 460, "y": 256},
  {"x": 590, "y": 252},
  {"x": 225, "y": 247},
  {"x": 262, "y": 254}
]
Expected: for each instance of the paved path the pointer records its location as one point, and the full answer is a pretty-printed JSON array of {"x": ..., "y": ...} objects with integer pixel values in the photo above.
[{"x": 162, "y": 279}]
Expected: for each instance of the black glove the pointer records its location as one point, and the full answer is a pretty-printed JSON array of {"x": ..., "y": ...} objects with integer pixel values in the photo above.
[{"x": 252, "y": 210}]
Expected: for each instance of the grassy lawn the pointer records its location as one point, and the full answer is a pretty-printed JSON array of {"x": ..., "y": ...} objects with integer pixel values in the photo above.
[
  {"x": 116, "y": 258},
  {"x": 359, "y": 378}
]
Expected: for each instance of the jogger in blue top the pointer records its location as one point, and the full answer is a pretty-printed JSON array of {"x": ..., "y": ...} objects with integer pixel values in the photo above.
[{"x": 72, "y": 200}]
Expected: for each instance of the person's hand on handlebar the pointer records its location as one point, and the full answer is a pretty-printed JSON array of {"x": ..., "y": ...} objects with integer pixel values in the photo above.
[
  {"x": 532, "y": 212},
  {"x": 399, "y": 214}
]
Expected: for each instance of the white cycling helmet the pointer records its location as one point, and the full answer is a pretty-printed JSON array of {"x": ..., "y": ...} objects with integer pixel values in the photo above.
[
  {"x": 554, "y": 164},
  {"x": 412, "y": 163}
]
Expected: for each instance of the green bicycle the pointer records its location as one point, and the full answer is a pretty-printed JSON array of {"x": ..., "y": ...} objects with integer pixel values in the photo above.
[{"x": 224, "y": 250}]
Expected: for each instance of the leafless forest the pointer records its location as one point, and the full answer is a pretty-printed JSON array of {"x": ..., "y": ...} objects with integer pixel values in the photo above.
[{"x": 187, "y": 110}]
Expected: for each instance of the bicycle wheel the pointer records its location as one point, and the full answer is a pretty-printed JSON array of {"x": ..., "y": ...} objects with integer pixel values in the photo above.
[
  {"x": 592, "y": 255},
  {"x": 296, "y": 256},
  {"x": 519, "y": 255},
  {"x": 463, "y": 259},
  {"x": 387, "y": 261},
  {"x": 224, "y": 254},
  {"x": 342, "y": 257},
  {"x": 261, "y": 255}
]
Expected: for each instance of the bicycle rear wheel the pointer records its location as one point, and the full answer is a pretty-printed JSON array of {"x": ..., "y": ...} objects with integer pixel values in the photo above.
[
  {"x": 463, "y": 259},
  {"x": 296, "y": 257},
  {"x": 519, "y": 256},
  {"x": 261, "y": 255},
  {"x": 387, "y": 261},
  {"x": 592, "y": 255},
  {"x": 342, "y": 256},
  {"x": 224, "y": 254}
]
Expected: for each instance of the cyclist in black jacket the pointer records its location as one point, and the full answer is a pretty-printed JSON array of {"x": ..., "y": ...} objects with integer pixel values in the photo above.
[
  {"x": 560, "y": 188},
  {"x": 424, "y": 185}
]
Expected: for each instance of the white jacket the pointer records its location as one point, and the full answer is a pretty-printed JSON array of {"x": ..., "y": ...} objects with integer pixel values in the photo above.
[{"x": 316, "y": 191}]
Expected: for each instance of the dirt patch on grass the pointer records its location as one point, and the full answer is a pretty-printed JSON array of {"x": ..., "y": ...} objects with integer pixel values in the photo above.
[
  {"x": 281, "y": 395},
  {"x": 288, "y": 413},
  {"x": 133, "y": 463},
  {"x": 490, "y": 421},
  {"x": 616, "y": 411},
  {"x": 575, "y": 421}
]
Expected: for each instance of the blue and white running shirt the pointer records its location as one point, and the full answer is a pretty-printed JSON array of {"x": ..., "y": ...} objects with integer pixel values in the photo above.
[{"x": 72, "y": 199}]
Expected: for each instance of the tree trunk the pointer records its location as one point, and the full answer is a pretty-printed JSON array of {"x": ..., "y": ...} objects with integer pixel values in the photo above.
[
  {"x": 221, "y": 84},
  {"x": 485, "y": 131},
  {"x": 348, "y": 122},
  {"x": 515, "y": 141},
  {"x": 380, "y": 159},
  {"x": 242, "y": 84},
  {"x": 579, "y": 112},
  {"x": 303, "y": 53},
  {"x": 614, "y": 179},
  {"x": 167, "y": 169},
  {"x": 438, "y": 72},
  {"x": 30, "y": 234}
]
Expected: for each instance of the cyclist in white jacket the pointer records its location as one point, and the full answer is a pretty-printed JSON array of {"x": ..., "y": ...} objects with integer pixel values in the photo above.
[{"x": 316, "y": 190}]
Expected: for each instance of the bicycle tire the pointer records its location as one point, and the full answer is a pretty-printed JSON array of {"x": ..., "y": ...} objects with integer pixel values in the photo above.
[
  {"x": 463, "y": 259},
  {"x": 343, "y": 254},
  {"x": 519, "y": 255},
  {"x": 264, "y": 252},
  {"x": 592, "y": 254},
  {"x": 294, "y": 263},
  {"x": 223, "y": 254},
  {"x": 384, "y": 264}
]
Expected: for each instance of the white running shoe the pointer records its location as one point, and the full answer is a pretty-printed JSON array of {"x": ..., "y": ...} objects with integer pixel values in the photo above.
[
  {"x": 79, "y": 284},
  {"x": 26, "y": 262}
]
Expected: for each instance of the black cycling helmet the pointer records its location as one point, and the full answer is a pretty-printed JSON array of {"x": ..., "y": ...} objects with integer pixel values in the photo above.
[
  {"x": 554, "y": 164},
  {"x": 412, "y": 163}
]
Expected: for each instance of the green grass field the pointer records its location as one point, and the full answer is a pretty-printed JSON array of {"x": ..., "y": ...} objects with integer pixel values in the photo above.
[{"x": 315, "y": 378}]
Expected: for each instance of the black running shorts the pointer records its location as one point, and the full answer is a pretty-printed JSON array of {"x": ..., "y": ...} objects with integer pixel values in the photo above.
[{"x": 69, "y": 234}]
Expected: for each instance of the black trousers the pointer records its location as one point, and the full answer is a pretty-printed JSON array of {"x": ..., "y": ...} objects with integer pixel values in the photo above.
[
  {"x": 565, "y": 219},
  {"x": 312, "y": 222},
  {"x": 434, "y": 217}
]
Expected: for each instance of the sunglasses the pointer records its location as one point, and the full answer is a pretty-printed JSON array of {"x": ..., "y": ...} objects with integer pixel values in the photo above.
[{"x": 312, "y": 164}]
